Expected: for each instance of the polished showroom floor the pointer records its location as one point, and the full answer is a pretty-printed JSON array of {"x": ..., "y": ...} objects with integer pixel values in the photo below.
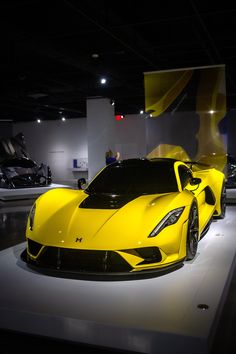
[{"x": 13, "y": 215}]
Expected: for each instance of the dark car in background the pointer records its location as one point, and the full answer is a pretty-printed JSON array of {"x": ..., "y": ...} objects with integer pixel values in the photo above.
[
  {"x": 17, "y": 169},
  {"x": 231, "y": 172}
]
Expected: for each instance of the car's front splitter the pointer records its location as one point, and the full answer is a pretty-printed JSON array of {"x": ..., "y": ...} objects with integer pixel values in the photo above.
[{"x": 102, "y": 276}]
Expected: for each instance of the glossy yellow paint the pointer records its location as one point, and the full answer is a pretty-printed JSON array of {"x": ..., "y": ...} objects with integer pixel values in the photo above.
[
  {"x": 111, "y": 229},
  {"x": 59, "y": 222}
]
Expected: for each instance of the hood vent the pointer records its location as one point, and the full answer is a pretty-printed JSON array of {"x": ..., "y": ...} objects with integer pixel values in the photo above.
[{"x": 106, "y": 201}]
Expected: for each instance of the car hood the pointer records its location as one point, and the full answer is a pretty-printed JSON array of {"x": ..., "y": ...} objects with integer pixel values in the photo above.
[{"x": 72, "y": 226}]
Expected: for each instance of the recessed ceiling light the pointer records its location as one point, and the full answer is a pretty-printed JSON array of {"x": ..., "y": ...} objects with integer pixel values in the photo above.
[{"x": 103, "y": 80}]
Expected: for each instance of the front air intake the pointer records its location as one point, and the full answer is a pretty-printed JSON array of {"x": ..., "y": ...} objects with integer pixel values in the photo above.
[
  {"x": 34, "y": 247},
  {"x": 90, "y": 261}
]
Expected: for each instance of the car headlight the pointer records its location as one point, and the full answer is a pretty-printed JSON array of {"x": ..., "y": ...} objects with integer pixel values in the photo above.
[
  {"x": 31, "y": 217},
  {"x": 171, "y": 218}
]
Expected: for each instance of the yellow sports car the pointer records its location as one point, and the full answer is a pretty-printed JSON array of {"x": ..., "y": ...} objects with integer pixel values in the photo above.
[{"x": 135, "y": 215}]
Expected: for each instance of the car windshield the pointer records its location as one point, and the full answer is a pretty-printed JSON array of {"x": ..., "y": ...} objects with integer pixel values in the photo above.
[{"x": 144, "y": 177}]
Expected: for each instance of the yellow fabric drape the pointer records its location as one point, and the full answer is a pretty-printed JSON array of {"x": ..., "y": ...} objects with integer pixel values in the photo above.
[{"x": 161, "y": 89}]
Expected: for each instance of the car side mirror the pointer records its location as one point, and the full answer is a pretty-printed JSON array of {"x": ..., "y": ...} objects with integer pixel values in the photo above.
[
  {"x": 195, "y": 181},
  {"x": 81, "y": 183}
]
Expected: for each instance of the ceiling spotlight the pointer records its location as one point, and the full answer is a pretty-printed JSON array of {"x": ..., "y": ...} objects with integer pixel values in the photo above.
[
  {"x": 63, "y": 119},
  {"x": 38, "y": 120},
  {"x": 103, "y": 81}
]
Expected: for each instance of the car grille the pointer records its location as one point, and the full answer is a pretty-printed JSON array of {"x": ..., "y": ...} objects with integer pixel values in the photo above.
[{"x": 77, "y": 260}]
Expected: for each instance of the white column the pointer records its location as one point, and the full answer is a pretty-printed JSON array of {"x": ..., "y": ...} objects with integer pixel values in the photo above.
[{"x": 100, "y": 133}]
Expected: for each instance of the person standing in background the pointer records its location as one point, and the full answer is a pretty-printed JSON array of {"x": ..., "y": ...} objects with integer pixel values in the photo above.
[{"x": 111, "y": 158}]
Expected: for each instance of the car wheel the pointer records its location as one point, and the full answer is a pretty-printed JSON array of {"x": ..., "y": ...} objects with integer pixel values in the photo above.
[
  {"x": 222, "y": 202},
  {"x": 193, "y": 232},
  {"x": 42, "y": 180}
]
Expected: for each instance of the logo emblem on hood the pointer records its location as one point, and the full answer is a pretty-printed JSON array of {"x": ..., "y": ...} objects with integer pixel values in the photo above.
[{"x": 78, "y": 239}]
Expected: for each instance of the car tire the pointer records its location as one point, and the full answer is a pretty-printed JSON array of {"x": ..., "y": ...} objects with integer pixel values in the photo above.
[
  {"x": 193, "y": 233},
  {"x": 222, "y": 202}
]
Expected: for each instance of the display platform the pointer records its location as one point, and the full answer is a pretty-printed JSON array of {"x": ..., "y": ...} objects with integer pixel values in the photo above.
[
  {"x": 160, "y": 314},
  {"x": 27, "y": 193}
]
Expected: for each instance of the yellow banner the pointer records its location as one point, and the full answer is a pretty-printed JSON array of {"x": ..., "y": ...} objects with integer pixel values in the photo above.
[{"x": 200, "y": 94}]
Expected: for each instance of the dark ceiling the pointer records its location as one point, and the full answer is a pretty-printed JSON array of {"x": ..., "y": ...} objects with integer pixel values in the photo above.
[{"x": 53, "y": 53}]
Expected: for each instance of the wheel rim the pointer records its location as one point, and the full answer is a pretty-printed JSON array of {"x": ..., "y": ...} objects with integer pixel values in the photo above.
[
  {"x": 193, "y": 231},
  {"x": 223, "y": 200}
]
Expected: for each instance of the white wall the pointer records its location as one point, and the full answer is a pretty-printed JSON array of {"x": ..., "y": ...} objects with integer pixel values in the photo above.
[
  {"x": 126, "y": 136},
  {"x": 130, "y": 136},
  {"x": 100, "y": 132},
  {"x": 56, "y": 143}
]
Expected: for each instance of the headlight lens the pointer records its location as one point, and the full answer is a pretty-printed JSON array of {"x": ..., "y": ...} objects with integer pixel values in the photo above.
[
  {"x": 171, "y": 218},
  {"x": 31, "y": 217}
]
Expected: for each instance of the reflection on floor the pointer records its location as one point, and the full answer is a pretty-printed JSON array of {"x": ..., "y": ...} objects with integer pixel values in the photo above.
[{"x": 13, "y": 216}]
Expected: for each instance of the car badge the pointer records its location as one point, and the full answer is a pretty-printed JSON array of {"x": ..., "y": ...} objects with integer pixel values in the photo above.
[{"x": 79, "y": 239}]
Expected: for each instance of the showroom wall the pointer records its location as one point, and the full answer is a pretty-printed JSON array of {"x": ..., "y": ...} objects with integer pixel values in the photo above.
[
  {"x": 6, "y": 129},
  {"x": 130, "y": 136},
  {"x": 57, "y": 143},
  {"x": 100, "y": 132},
  {"x": 104, "y": 132}
]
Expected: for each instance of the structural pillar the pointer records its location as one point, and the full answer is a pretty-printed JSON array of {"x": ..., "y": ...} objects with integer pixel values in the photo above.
[{"x": 100, "y": 133}]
